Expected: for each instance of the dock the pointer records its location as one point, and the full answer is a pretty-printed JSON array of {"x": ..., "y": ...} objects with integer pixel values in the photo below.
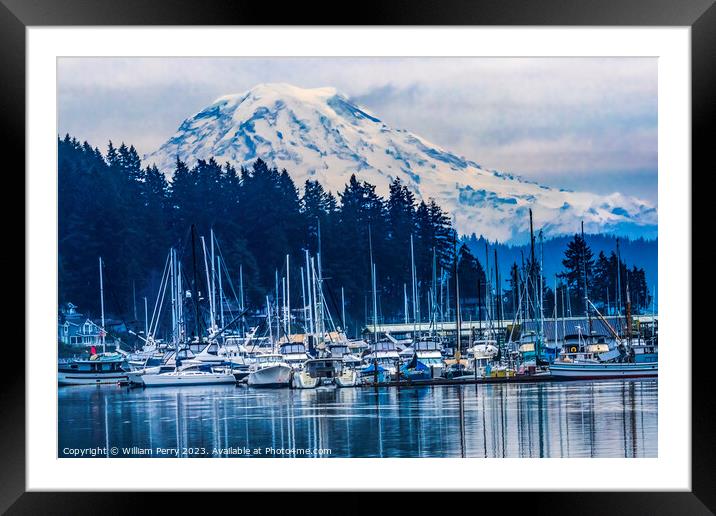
[{"x": 464, "y": 381}]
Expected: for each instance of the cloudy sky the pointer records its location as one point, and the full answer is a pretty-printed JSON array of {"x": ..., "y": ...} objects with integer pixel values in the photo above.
[{"x": 585, "y": 124}]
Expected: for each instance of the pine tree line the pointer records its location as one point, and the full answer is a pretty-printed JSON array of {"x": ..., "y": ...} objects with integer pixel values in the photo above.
[{"x": 112, "y": 206}]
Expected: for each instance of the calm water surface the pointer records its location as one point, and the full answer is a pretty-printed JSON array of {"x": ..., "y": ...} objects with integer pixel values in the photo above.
[{"x": 607, "y": 418}]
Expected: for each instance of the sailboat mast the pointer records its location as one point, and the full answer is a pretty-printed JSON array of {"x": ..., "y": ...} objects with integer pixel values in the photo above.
[
  {"x": 405, "y": 301},
  {"x": 498, "y": 292},
  {"x": 541, "y": 287},
  {"x": 343, "y": 309},
  {"x": 314, "y": 297},
  {"x": 373, "y": 286},
  {"x": 458, "y": 317},
  {"x": 180, "y": 302},
  {"x": 283, "y": 306},
  {"x": 303, "y": 301},
  {"x": 221, "y": 294},
  {"x": 172, "y": 279},
  {"x": 288, "y": 298},
  {"x": 375, "y": 305},
  {"x": 628, "y": 310},
  {"x": 194, "y": 286},
  {"x": 269, "y": 323},
  {"x": 619, "y": 280},
  {"x": 276, "y": 300},
  {"x": 213, "y": 277},
  {"x": 555, "y": 311},
  {"x": 531, "y": 280},
  {"x": 101, "y": 301},
  {"x": 309, "y": 297},
  {"x": 241, "y": 297},
  {"x": 433, "y": 296},
  {"x": 209, "y": 285},
  {"x": 415, "y": 295}
]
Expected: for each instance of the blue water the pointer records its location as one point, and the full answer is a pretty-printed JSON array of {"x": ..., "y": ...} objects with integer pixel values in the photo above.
[{"x": 607, "y": 418}]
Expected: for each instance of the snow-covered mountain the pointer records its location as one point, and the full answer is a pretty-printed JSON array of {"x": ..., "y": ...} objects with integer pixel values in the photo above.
[{"x": 321, "y": 134}]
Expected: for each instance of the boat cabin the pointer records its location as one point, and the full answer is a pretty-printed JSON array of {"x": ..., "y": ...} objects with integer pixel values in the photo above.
[{"x": 324, "y": 367}]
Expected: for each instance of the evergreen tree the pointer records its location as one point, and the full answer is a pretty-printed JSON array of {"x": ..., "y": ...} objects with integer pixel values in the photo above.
[{"x": 578, "y": 263}]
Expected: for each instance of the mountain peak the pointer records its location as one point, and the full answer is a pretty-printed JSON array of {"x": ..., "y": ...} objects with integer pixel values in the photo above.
[{"x": 320, "y": 134}]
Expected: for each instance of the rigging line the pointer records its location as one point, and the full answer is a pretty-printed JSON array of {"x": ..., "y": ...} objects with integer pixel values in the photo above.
[
  {"x": 226, "y": 270},
  {"x": 161, "y": 288}
]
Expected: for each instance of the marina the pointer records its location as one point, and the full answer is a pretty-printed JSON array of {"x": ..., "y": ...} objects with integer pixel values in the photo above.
[
  {"x": 212, "y": 372},
  {"x": 606, "y": 418}
]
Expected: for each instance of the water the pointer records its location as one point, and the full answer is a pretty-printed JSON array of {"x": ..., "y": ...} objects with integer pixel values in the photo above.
[{"x": 607, "y": 418}]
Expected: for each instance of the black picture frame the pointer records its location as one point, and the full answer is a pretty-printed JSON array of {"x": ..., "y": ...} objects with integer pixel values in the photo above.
[{"x": 700, "y": 15}]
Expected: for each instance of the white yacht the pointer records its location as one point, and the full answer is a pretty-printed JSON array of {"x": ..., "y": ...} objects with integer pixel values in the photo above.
[
  {"x": 190, "y": 374},
  {"x": 270, "y": 370}
]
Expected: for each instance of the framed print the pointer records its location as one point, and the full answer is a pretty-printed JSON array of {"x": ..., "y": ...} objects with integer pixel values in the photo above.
[{"x": 433, "y": 250}]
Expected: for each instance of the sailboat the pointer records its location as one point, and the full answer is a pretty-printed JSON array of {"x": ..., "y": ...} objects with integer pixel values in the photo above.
[
  {"x": 191, "y": 372},
  {"x": 99, "y": 368},
  {"x": 269, "y": 369}
]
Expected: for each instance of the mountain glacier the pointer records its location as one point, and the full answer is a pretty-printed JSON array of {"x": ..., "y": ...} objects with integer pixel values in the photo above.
[{"x": 321, "y": 134}]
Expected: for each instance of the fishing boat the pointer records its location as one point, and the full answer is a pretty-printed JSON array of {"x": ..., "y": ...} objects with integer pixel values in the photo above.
[
  {"x": 102, "y": 368},
  {"x": 617, "y": 363},
  {"x": 270, "y": 370},
  {"x": 191, "y": 374},
  {"x": 99, "y": 368},
  {"x": 594, "y": 370}
]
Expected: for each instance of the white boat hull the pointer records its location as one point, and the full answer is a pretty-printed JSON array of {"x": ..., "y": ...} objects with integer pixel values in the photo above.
[
  {"x": 610, "y": 370},
  {"x": 302, "y": 380},
  {"x": 173, "y": 379},
  {"x": 74, "y": 378},
  {"x": 349, "y": 378},
  {"x": 135, "y": 377},
  {"x": 272, "y": 376}
]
